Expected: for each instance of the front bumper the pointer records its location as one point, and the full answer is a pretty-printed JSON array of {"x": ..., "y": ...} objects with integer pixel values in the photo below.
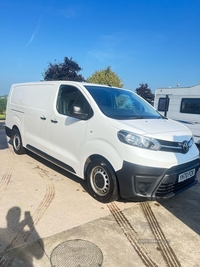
[{"x": 149, "y": 183}]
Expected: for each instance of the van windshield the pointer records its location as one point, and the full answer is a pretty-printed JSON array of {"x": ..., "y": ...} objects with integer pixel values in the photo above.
[{"x": 121, "y": 104}]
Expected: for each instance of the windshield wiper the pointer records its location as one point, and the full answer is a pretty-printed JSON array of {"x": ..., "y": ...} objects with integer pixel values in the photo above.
[{"x": 136, "y": 117}]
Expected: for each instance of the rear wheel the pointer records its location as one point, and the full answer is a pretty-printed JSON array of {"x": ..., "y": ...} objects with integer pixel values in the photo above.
[
  {"x": 101, "y": 181},
  {"x": 17, "y": 142}
]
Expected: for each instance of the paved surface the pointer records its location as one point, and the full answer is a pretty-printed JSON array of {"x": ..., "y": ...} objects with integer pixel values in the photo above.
[{"x": 48, "y": 219}]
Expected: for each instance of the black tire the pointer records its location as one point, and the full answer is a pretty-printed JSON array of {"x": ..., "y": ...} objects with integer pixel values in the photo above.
[
  {"x": 102, "y": 181},
  {"x": 17, "y": 142}
]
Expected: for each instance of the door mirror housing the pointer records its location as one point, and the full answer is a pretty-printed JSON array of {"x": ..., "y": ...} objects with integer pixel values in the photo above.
[{"x": 76, "y": 111}]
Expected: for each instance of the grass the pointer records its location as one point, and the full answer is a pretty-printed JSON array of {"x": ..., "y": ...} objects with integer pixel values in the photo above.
[{"x": 2, "y": 116}]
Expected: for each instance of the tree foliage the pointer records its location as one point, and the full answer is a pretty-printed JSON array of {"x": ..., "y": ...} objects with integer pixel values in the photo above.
[
  {"x": 3, "y": 102},
  {"x": 145, "y": 92},
  {"x": 106, "y": 76},
  {"x": 68, "y": 71}
]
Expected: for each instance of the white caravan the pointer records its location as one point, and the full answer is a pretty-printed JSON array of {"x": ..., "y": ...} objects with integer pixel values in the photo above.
[
  {"x": 181, "y": 104},
  {"x": 109, "y": 136}
]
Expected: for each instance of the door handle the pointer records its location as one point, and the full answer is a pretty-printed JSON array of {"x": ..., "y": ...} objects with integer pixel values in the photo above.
[
  {"x": 54, "y": 121},
  {"x": 43, "y": 118}
]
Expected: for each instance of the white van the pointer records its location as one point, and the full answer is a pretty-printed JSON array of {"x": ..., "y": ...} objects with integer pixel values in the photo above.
[
  {"x": 181, "y": 104},
  {"x": 109, "y": 136}
]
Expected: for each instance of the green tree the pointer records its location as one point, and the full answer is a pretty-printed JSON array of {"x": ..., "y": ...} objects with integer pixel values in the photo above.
[
  {"x": 3, "y": 102},
  {"x": 68, "y": 71},
  {"x": 106, "y": 76},
  {"x": 145, "y": 92}
]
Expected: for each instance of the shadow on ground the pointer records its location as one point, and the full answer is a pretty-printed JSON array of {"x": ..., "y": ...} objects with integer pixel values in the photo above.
[
  {"x": 3, "y": 140},
  {"x": 54, "y": 167},
  {"x": 186, "y": 207}
]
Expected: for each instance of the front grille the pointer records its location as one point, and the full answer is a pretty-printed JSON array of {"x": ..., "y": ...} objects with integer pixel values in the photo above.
[
  {"x": 177, "y": 147},
  {"x": 165, "y": 189}
]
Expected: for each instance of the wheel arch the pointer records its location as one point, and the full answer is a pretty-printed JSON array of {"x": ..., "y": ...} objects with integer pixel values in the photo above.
[
  {"x": 15, "y": 128},
  {"x": 103, "y": 149},
  {"x": 15, "y": 123},
  {"x": 90, "y": 159}
]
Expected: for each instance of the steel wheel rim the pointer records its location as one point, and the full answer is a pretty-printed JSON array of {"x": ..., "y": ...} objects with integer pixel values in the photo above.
[
  {"x": 100, "y": 181},
  {"x": 16, "y": 142}
]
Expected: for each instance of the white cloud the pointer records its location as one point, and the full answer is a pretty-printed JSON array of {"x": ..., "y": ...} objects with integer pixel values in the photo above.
[
  {"x": 33, "y": 36},
  {"x": 101, "y": 55},
  {"x": 67, "y": 13},
  {"x": 113, "y": 47},
  {"x": 34, "y": 33}
]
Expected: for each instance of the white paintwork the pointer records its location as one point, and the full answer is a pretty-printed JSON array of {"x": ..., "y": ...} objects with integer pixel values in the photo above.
[{"x": 72, "y": 141}]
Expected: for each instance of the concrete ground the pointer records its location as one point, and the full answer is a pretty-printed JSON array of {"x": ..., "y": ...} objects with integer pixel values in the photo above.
[{"x": 48, "y": 219}]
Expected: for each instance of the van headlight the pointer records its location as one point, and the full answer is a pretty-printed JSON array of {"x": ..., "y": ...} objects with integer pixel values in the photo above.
[{"x": 138, "y": 140}]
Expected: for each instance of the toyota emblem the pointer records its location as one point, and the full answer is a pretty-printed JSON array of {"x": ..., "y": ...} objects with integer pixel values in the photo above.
[{"x": 185, "y": 146}]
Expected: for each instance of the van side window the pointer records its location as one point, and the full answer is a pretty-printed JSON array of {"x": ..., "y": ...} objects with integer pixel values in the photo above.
[
  {"x": 70, "y": 96},
  {"x": 190, "y": 105},
  {"x": 163, "y": 104}
]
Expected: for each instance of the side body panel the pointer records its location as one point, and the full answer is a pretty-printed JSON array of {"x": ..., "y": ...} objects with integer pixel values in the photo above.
[
  {"x": 28, "y": 109},
  {"x": 37, "y": 116}
]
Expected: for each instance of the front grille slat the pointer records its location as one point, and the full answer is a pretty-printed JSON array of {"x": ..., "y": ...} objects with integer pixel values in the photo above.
[
  {"x": 165, "y": 189},
  {"x": 177, "y": 147}
]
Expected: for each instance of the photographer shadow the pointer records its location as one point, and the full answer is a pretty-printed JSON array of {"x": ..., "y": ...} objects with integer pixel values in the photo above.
[{"x": 15, "y": 236}]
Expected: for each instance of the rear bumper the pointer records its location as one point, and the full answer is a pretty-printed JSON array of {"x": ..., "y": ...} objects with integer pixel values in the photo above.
[{"x": 149, "y": 183}]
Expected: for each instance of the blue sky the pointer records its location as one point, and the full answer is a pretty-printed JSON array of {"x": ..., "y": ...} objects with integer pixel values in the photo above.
[{"x": 143, "y": 41}]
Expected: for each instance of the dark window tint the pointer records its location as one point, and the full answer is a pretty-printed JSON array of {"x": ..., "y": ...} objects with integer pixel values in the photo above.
[
  {"x": 121, "y": 104},
  {"x": 70, "y": 96},
  {"x": 190, "y": 105},
  {"x": 163, "y": 104}
]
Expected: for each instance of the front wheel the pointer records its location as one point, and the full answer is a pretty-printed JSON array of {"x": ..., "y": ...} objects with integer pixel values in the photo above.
[
  {"x": 101, "y": 181},
  {"x": 17, "y": 142}
]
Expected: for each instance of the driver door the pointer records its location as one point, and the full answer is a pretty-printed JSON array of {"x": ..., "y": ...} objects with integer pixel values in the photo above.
[{"x": 67, "y": 130}]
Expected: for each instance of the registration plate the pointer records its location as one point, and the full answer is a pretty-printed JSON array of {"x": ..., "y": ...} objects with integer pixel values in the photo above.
[{"x": 186, "y": 175}]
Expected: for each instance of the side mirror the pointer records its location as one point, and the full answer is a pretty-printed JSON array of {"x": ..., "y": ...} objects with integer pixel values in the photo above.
[{"x": 76, "y": 111}]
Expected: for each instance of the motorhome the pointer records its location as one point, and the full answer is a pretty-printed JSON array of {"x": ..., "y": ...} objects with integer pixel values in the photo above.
[
  {"x": 110, "y": 137},
  {"x": 181, "y": 104}
]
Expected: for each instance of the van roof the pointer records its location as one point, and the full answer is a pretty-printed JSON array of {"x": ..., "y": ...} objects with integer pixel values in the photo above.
[{"x": 61, "y": 82}]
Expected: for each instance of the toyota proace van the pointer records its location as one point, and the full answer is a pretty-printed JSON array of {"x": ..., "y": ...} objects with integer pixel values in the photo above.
[{"x": 109, "y": 136}]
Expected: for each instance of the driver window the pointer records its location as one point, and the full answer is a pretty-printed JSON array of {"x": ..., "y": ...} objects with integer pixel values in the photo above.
[{"x": 67, "y": 97}]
